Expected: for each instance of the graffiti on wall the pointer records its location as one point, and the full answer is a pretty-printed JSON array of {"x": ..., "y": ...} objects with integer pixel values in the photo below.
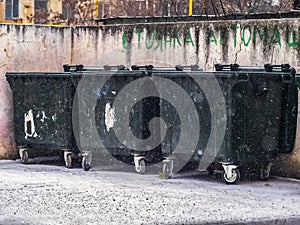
[
  {"x": 244, "y": 35},
  {"x": 156, "y": 40}
]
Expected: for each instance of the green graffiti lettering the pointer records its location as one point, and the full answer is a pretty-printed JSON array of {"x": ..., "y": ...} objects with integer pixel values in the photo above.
[
  {"x": 275, "y": 38},
  {"x": 168, "y": 40},
  {"x": 148, "y": 37},
  {"x": 179, "y": 37},
  {"x": 176, "y": 37},
  {"x": 221, "y": 38},
  {"x": 246, "y": 42},
  {"x": 234, "y": 34},
  {"x": 294, "y": 42},
  {"x": 159, "y": 44},
  {"x": 138, "y": 32},
  {"x": 188, "y": 38},
  {"x": 124, "y": 41}
]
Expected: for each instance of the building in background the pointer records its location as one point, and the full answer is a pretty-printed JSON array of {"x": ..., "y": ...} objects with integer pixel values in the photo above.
[
  {"x": 69, "y": 12},
  {"x": 28, "y": 11}
]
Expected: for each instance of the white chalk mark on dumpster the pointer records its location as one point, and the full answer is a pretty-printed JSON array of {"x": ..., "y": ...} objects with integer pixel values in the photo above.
[
  {"x": 44, "y": 116},
  {"x": 109, "y": 116},
  {"x": 28, "y": 120}
]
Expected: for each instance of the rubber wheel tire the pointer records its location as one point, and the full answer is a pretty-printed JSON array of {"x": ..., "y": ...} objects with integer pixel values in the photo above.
[
  {"x": 167, "y": 173},
  {"x": 235, "y": 178},
  {"x": 69, "y": 161},
  {"x": 85, "y": 165},
  {"x": 141, "y": 167},
  {"x": 24, "y": 157}
]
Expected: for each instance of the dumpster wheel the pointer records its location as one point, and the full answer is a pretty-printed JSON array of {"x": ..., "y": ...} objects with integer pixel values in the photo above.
[
  {"x": 68, "y": 159},
  {"x": 265, "y": 170},
  {"x": 231, "y": 174},
  {"x": 167, "y": 168},
  {"x": 140, "y": 166},
  {"x": 24, "y": 155},
  {"x": 86, "y": 166}
]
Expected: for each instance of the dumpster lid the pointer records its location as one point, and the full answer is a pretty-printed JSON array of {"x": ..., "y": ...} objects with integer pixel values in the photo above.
[
  {"x": 266, "y": 67},
  {"x": 37, "y": 74},
  {"x": 80, "y": 67}
]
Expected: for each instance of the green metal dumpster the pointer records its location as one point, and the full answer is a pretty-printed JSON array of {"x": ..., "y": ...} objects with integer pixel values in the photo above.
[
  {"x": 227, "y": 119},
  {"x": 103, "y": 95},
  {"x": 42, "y": 113},
  {"x": 258, "y": 113},
  {"x": 43, "y": 108}
]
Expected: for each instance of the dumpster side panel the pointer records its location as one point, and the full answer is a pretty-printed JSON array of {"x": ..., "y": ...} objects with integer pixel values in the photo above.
[
  {"x": 261, "y": 119},
  {"x": 289, "y": 117}
]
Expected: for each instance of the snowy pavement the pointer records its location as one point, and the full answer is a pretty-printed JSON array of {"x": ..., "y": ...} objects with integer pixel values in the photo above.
[{"x": 47, "y": 194}]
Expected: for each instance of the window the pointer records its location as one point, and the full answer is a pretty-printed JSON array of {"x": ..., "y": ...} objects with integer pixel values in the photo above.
[
  {"x": 139, "y": 7},
  {"x": 103, "y": 10},
  {"x": 40, "y": 11},
  {"x": 41, "y": 4},
  {"x": 68, "y": 10},
  {"x": 11, "y": 9}
]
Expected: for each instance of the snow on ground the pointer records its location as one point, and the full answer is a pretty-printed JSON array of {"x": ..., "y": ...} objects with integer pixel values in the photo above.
[{"x": 47, "y": 194}]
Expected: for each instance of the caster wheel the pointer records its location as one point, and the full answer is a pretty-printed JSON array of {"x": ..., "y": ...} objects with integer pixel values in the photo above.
[
  {"x": 140, "y": 167},
  {"x": 24, "y": 157},
  {"x": 233, "y": 178},
  {"x": 68, "y": 160},
  {"x": 167, "y": 170},
  {"x": 86, "y": 166}
]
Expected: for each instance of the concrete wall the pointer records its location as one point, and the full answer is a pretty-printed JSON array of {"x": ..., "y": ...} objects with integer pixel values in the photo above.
[
  {"x": 247, "y": 42},
  {"x": 27, "y": 48}
]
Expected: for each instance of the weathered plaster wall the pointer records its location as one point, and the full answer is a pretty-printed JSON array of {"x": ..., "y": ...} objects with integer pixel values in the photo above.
[
  {"x": 27, "y": 48},
  {"x": 248, "y": 42}
]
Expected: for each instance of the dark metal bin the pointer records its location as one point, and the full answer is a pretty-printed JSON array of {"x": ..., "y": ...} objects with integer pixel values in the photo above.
[
  {"x": 260, "y": 110},
  {"x": 231, "y": 118},
  {"x": 43, "y": 113}
]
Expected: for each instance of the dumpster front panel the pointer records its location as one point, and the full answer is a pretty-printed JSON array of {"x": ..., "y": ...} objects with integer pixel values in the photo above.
[
  {"x": 185, "y": 88},
  {"x": 42, "y": 110},
  {"x": 140, "y": 114}
]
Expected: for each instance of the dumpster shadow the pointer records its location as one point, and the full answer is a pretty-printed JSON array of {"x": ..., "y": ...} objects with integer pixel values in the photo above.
[
  {"x": 201, "y": 176},
  {"x": 122, "y": 167},
  {"x": 47, "y": 160}
]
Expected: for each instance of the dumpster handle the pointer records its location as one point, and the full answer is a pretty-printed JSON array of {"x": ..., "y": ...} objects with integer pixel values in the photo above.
[
  {"x": 281, "y": 67},
  {"x": 69, "y": 68},
  {"x": 146, "y": 67},
  {"x": 230, "y": 67},
  {"x": 287, "y": 78}
]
